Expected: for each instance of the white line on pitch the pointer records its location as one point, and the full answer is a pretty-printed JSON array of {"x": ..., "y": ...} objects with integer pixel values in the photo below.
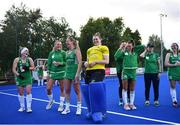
[
  {"x": 110, "y": 112},
  {"x": 6, "y": 90}
]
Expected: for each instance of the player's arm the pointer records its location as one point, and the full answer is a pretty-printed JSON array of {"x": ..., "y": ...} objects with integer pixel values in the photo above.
[
  {"x": 118, "y": 54},
  {"x": 32, "y": 67},
  {"x": 142, "y": 55},
  {"x": 139, "y": 49},
  {"x": 86, "y": 64},
  {"x": 14, "y": 67},
  {"x": 79, "y": 59},
  {"x": 105, "y": 60},
  {"x": 49, "y": 61},
  {"x": 167, "y": 63}
]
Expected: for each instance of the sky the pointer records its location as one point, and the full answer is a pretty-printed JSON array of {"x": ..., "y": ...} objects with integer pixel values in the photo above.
[{"x": 143, "y": 15}]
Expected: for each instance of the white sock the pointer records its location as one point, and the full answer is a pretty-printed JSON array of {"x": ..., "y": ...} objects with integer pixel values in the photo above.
[
  {"x": 21, "y": 100},
  {"x": 79, "y": 104},
  {"x": 124, "y": 96},
  {"x": 29, "y": 100},
  {"x": 173, "y": 94},
  {"x": 50, "y": 97},
  {"x": 38, "y": 82},
  {"x": 67, "y": 105},
  {"x": 132, "y": 96},
  {"x": 62, "y": 100},
  {"x": 42, "y": 82}
]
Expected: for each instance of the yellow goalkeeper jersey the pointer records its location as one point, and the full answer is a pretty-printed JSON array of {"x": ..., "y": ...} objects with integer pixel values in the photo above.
[{"x": 96, "y": 53}]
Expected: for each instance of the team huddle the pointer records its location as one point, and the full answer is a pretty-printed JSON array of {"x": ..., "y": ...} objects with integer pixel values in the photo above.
[{"x": 66, "y": 68}]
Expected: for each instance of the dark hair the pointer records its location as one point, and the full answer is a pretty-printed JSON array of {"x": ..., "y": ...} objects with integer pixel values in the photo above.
[
  {"x": 150, "y": 45},
  {"x": 177, "y": 47},
  {"x": 131, "y": 42}
]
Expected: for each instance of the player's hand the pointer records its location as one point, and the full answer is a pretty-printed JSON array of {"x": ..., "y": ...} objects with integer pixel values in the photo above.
[
  {"x": 122, "y": 46},
  {"x": 86, "y": 64},
  {"x": 56, "y": 63},
  {"x": 21, "y": 77},
  {"x": 92, "y": 64},
  {"x": 77, "y": 42},
  {"x": 177, "y": 63},
  {"x": 76, "y": 79},
  {"x": 145, "y": 49}
]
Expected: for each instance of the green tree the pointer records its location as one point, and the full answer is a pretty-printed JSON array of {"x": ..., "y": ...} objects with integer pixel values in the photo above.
[
  {"x": 25, "y": 27},
  {"x": 129, "y": 35},
  {"x": 15, "y": 32}
]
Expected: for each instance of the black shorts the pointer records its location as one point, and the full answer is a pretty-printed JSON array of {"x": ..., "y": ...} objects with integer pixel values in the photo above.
[{"x": 94, "y": 75}]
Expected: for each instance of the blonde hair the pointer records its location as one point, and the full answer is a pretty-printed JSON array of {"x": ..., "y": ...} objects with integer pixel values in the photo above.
[
  {"x": 56, "y": 41},
  {"x": 73, "y": 40},
  {"x": 98, "y": 35}
]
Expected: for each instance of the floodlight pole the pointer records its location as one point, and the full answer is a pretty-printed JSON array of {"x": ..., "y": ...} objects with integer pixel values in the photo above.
[{"x": 162, "y": 44}]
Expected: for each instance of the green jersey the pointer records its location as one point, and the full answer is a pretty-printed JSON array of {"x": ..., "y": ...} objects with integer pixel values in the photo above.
[
  {"x": 58, "y": 56},
  {"x": 174, "y": 72},
  {"x": 57, "y": 72},
  {"x": 71, "y": 64},
  {"x": 24, "y": 72},
  {"x": 130, "y": 60},
  {"x": 118, "y": 60},
  {"x": 151, "y": 63}
]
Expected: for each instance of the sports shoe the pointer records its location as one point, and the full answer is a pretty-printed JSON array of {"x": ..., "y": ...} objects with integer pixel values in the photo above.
[
  {"x": 175, "y": 104},
  {"x": 120, "y": 102},
  {"x": 132, "y": 106},
  {"x": 49, "y": 105},
  {"x": 21, "y": 109},
  {"x": 66, "y": 111},
  {"x": 29, "y": 110},
  {"x": 78, "y": 111},
  {"x": 126, "y": 107},
  {"x": 156, "y": 103},
  {"x": 60, "y": 108},
  {"x": 147, "y": 103}
]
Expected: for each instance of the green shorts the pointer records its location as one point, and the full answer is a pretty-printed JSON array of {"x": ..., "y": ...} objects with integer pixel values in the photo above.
[
  {"x": 57, "y": 75},
  {"x": 24, "y": 82},
  {"x": 175, "y": 78},
  {"x": 128, "y": 74},
  {"x": 71, "y": 72},
  {"x": 70, "y": 75}
]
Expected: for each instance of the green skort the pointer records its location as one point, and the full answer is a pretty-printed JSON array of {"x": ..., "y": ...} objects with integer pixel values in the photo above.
[
  {"x": 129, "y": 74},
  {"x": 57, "y": 75}
]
